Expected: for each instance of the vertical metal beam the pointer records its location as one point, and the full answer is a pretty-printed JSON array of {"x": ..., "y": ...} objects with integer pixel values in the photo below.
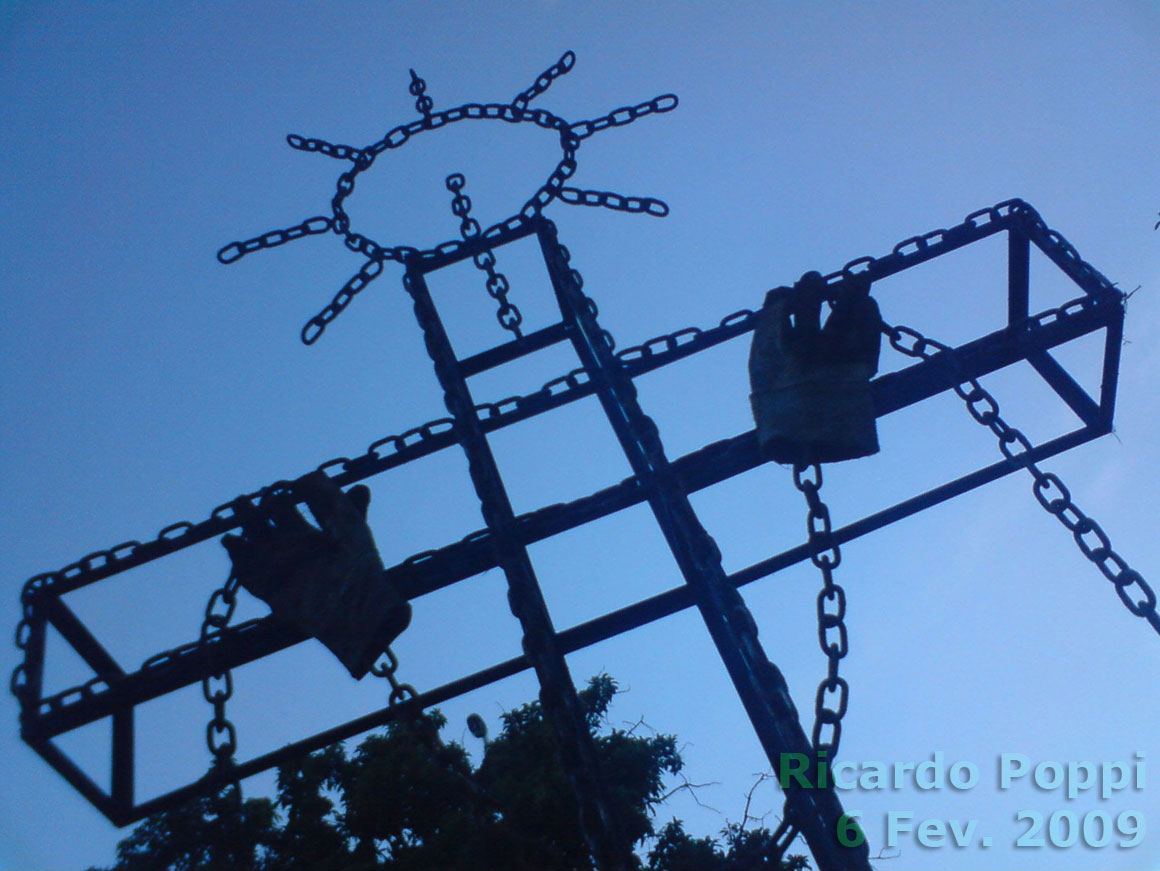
[
  {"x": 759, "y": 683},
  {"x": 1018, "y": 275},
  {"x": 558, "y": 695},
  {"x": 1113, "y": 344},
  {"x": 123, "y": 773},
  {"x": 33, "y": 690}
]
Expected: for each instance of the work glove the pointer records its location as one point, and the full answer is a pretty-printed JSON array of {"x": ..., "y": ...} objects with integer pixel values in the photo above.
[
  {"x": 326, "y": 581},
  {"x": 810, "y": 383}
]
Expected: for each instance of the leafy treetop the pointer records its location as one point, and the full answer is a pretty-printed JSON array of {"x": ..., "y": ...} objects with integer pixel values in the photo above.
[{"x": 407, "y": 801}]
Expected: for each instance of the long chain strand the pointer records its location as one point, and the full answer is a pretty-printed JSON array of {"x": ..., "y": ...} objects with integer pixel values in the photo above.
[
  {"x": 1050, "y": 492},
  {"x": 832, "y": 635},
  {"x": 508, "y": 315},
  {"x": 221, "y": 736}
]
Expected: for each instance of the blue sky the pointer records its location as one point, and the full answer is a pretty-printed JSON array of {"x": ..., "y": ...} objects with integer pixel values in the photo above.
[{"x": 145, "y": 383}]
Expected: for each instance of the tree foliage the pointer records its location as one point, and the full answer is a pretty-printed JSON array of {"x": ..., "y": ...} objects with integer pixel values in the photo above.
[{"x": 407, "y": 801}]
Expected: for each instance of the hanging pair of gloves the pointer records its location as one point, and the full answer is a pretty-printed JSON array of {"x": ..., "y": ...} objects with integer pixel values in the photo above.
[
  {"x": 326, "y": 581},
  {"x": 810, "y": 383}
]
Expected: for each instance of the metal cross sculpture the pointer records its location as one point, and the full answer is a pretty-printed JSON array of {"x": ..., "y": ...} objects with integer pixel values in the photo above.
[{"x": 328, "y": 582}]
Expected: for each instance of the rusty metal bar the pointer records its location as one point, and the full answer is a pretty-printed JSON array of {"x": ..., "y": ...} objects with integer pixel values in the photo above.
[
  {"x": 1085, "y": 408},
  {"x": 759, "y": 684},
  {"x": 77, "y": 634},
  {"x": 558, "y": 696},
  {"x": 1018, "y": 275},
  {"x": 80, "y": 781},
  {"x": 1109, "y": 377},
  {"x": 512, "y": 350},
  {"x": 123, "y": 776}
]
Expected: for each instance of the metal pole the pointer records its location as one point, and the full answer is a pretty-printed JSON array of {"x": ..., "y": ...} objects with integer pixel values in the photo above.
[
  {"x": 758, "y": 681},
  {"x": 558, "y": 695}
]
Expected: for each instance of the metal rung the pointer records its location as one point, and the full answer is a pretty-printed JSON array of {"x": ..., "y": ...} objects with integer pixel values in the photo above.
[{"x": 512, "y": 350}]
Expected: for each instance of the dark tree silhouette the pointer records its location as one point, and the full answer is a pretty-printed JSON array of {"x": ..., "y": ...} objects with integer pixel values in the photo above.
[{"x": 407, "y": 801}]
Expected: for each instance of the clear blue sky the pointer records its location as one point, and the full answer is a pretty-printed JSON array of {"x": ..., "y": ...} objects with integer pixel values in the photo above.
[{"x": 145, "y": 383}]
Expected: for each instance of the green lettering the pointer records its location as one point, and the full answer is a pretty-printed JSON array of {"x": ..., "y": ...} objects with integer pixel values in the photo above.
[{"x": 793, "y": 765}]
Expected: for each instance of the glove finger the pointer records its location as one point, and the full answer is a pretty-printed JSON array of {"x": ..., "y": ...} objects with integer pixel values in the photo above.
[
  {"x": 854, "y": 330},
  {"x": 285, "y": 516},
  {"x": 334, "y": 510},
  {"x": 804, "y": 339},
  {"x": 808, "y": 294},
  {"x": 775, "y": 316},
  {"x": 360, "y": 495},
  {"x": 254, "y": 523},
  {"x": 235, "y": 546}
]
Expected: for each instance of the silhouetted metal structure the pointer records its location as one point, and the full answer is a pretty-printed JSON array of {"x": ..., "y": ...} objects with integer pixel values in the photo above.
[{"x": 663, "y": 483}]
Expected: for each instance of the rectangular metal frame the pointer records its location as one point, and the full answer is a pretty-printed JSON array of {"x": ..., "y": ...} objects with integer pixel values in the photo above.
[{"x": 115, "y": 692}]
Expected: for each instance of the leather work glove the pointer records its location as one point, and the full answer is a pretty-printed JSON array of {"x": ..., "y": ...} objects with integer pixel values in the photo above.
[
  {"x": 810, "y": 383},
  {"x": 327, "y": 581}
]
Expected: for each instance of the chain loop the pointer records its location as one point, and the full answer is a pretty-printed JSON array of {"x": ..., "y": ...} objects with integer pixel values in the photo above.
[
  {"x": 18, "y": 682},
  {"x": 614, "y": 201},
  {"x": 418, "y": 89},
  {"x": 400, "y": 692},
  {"x": 508, "y": 315},
  {"x": 23, "y": 633},
  {"x": 831, "y": 609},
  {"x": 1049, "y": 490},
  {"x": 544, "y": 80},
  {"x": 221, "y": 736},
  {"x": 237, "y": 250}
]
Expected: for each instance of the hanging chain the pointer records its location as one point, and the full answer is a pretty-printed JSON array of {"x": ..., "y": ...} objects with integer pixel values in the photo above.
[
  {"x": 220, "y": 734},
  {"x": 418, "y": 89},
  {"x": 387, "y": 666},
  {"x": 1050, "y": 492},
  {"x": 825, "y": 554},
  {"x": 729, "y": 619},
  {"x": 509, "y": 316}
]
